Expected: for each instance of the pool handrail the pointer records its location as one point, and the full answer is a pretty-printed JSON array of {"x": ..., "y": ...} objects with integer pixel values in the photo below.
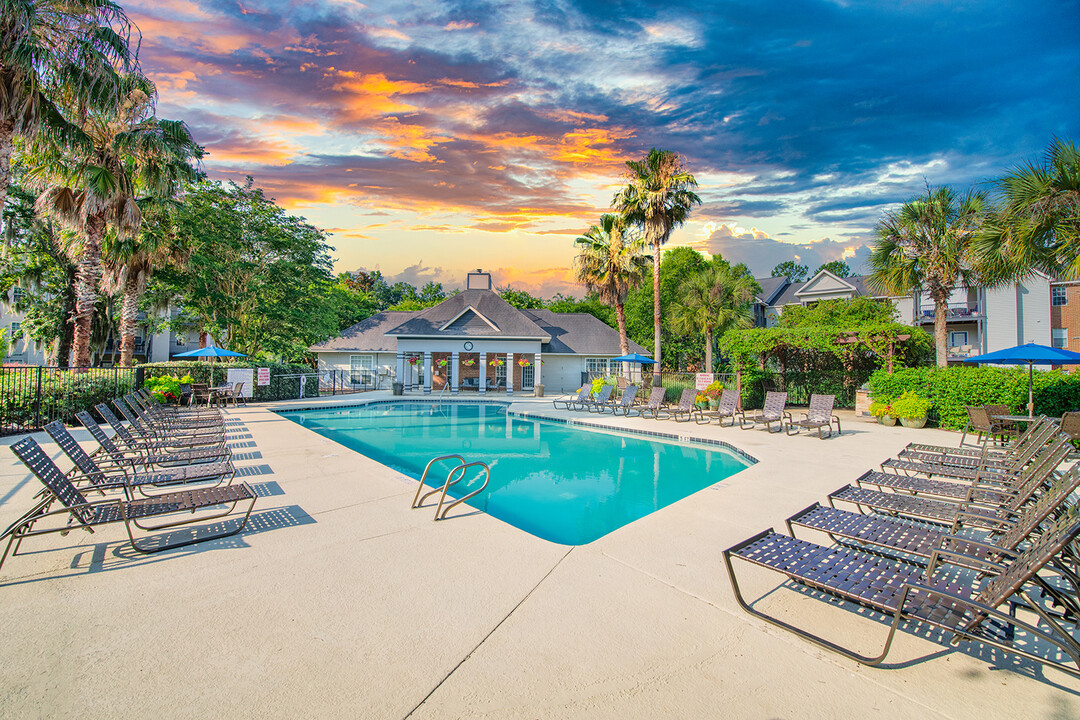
[
  {"x": 463, "y": 467},
  {"x": 419, "y": 501}
]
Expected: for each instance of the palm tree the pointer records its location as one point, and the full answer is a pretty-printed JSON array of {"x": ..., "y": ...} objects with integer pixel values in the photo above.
[
  {"x": 610, "y": 263},
  {"x": 713, "y": 301},
  {"x": 129, "y": 261},
  {"x": 927, "y": 245},
  {"x": 53, "y": 46},
  {"x": 1038, "y": 224},
  {"x": 657, "y": 198},
  {"x": 131, "y": 153}
]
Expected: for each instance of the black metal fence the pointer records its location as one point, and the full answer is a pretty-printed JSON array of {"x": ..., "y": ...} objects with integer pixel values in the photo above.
[
  {"x": 31, "y": 397},
  {"x": 343, "y": 382}
]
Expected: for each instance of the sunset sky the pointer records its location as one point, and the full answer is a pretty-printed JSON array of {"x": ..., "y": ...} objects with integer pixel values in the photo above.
[{"x": 435, "y": 137}]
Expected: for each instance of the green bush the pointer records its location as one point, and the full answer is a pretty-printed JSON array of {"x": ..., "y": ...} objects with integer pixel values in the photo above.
[
  {"x": 951, "y": 389},
  {"x": 910, "y": 406},
  {"x": 882, "y": 407},
  {"x": 63, "y": 393},
  {"x": 214, "y": 373},
  {"x": 166, "y": 388}
]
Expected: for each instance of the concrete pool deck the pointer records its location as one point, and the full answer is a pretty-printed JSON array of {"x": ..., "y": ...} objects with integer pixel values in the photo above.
[{"x": 340, "y": 601}]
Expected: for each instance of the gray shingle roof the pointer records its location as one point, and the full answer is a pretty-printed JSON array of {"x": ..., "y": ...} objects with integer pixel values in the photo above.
[
  {"x": 508, "y": 320},
  {"x": 367, "y": 335},
  {"x": 579, "y": 333},
  {"x": 769, "y": 287}
]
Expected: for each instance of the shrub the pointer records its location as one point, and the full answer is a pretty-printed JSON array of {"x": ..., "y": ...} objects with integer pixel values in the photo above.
[
  {"x": 166, "y": 388},
  {"x": 213, "y": 373},
  {"x": 882, "y": 407},
  {"x": 910, "y": 406},
  {"x": 951, "y": 389}
]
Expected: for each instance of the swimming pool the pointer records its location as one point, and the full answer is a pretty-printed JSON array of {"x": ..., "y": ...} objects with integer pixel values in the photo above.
[{"x": 559, "y": 482}]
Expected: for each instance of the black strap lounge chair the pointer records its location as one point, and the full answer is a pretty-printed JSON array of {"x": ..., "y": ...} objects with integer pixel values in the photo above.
[
  {"x": 728, "y": 406},
  {"x": 772, "y": 412},
  {"x": 963, "y": 467},
  {"x": 919, "y": 539},
  {"x": 625, "y": 406},
  {"x": 169, "y": 415},
  {"x": 137, "y": 439},
  {"x": 140, "y": 421},
  {"x": 600, "y": 400},
  {"x": 686, "y": 409},
  {"x": 191, "y": 426},
  {"x": 172, "y": 509},
  {"x": 908, "y": 593},
  {"x": 819, "y": 415},
  {"x": 655, "y": 405},
  {"x": 143, "y": 458},
  {"x": 178, "y": 410},
  {"x": 110, "y": 476},
  {"x": 566, "y": 401}
]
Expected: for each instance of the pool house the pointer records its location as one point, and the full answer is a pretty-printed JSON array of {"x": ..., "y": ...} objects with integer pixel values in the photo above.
[{"x": 472, "y": 341}]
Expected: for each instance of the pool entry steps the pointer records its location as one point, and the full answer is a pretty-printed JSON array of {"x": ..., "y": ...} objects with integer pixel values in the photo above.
[{"x": 458, "y": 470}]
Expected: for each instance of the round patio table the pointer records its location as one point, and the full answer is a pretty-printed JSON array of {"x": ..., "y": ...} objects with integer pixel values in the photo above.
[{"x": 1020, "y": 418}]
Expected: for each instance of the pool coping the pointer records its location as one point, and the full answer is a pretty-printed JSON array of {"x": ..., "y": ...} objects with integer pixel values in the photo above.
[{"x": 683, "y": 439}]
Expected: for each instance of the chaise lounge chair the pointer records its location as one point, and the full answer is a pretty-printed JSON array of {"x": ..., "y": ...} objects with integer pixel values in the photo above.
[
  {"x": 599, "y": 401},
  {"x": 908, "y": 593},
  {"x": 728, "y": 406},
  {"x": 135, "y": 439},
  {"x": 819, "y": 415},
  {"x": 655, "y": 404},
  {"x": 685, "y": 410},
  {"x": 626, "y": 403},
  {"x": 175, "y": 508},
  {"x": 772, "y": 412},
  {"x": 144, "y": 458},
  {"x": 567, "y": 400},
  {"x": 111, "y": 476}
]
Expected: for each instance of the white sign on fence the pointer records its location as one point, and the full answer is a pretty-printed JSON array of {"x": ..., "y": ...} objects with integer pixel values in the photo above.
[
  {"x": 264, "y": 377},
  {"x": 704, "y": 380},
  {"x": 241, "y": 375}
]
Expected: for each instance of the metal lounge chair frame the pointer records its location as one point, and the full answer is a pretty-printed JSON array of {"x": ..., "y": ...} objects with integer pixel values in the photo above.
[
  {"x": 191, "y": 426},
  {"x": 772, "y": 411},
  {"x": 610, "y": 404},
  {"x": 601, "y": 399},
  {"x": 727, "y": 407},
  {"x": 819, "y": 415},
  {"x": 139, "y": 421},
  {"x": 583, "y": 392},
  {"x": 908, "y": 594},
  {"x": 154, "y": 410},
  {"x": 626, "y": 403},
  {"x": 136, "y": 440},
  {"x": 78, "y": 512},
  {"x": 1041, "y": 426},
  {"x": 104, "y": 478}
]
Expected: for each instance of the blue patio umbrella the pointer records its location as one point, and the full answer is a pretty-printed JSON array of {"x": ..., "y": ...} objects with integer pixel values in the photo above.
[
  {"x": 1030, "y": 354},
  {"x": 634, "y": 357},
  {"x": 211, "y": 352}
]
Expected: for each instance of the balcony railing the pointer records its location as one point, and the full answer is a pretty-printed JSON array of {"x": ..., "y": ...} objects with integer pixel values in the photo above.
[{"x": 953, "y": 313}]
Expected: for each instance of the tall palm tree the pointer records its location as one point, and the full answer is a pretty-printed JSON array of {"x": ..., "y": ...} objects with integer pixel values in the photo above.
[
  {"x": 128, "y": 262},
  {"x": 927, "y": 245},
  {"x": 132, "y": 153},
  {"x": 713, "y": 301},
  {"x": 53, "y": 46},
  {"x": 610, "y": 263},
  {"x": 1037, "y": 226},
  {"x": 658, "y": 197}
]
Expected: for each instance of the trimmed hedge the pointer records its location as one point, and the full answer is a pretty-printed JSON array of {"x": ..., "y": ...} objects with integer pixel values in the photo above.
[
  {"x": 213, "y": 373},
  {"x": 951, "y": 389}
]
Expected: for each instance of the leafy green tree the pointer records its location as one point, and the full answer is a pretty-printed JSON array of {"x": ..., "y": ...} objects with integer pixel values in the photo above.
[
  {"x": 1037, "y": 226},
  {"x": 927, "y": 245},
  {"x": 792, "y": 270},
  {"x": 678, "y": 263},
  {"x": 840, "y": 314},
  {"x": 590, "y": 305},
  {"x": 53, "y": 47},
  {"x": 431, "y": 294},
  {"x": 256, "y": 277},
  {"x": 713, "y": 301},
  {"x": 839, "y": 268},
  {"x": 348, "y": 302},
  {"x": 521, "y": 299},
  {"x": 658, "y": 198},
  {"x": 129, "y": 152},
  {"x": 610, "y": 262}
]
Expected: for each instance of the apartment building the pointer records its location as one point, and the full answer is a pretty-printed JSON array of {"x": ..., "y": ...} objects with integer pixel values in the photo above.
[{"x": 979, "y": 320}]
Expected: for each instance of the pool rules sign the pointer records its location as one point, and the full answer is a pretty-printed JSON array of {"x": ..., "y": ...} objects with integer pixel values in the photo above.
[
  {"x": 703, "y": 380},
  {"x": 262, "y": 377}
]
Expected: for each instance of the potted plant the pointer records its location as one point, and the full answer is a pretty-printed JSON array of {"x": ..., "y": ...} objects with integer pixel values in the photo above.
[
  {"x": 468, "y": 363},
  {"x": 911, "y": 409},
  {"x": 712, "y": 394},
  {"x": 702, "y": 401},
  {"x": 882, "y": 409}
]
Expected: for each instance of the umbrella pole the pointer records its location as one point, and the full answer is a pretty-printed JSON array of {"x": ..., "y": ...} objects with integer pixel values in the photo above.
[{"x": 1031, "y": 394}]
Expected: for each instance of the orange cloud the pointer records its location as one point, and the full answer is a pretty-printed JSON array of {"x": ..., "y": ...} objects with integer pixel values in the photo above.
[
  {"x": 370, "y": 96},
  {"x": 409, "y": 142},
  {"x": 458, "y": 25}
]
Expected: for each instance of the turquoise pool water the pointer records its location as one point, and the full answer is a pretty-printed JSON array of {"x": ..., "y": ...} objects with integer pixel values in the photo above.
[{"x": 559, "y": 482}]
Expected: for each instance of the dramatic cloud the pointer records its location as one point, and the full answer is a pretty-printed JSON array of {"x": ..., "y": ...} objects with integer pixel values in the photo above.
[{"x": 486, "y": 130}]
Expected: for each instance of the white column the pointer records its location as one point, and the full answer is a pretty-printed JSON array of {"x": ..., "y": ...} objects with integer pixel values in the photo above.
[
  {"x": 455, "y": 361},
  {"x": 536, "y": 370},
  {"x": 509, "y": 373},
  {"x": 428, "y": 370},
  {"x": 483, "y": 377},
  {"x": 400, "y": 377}
]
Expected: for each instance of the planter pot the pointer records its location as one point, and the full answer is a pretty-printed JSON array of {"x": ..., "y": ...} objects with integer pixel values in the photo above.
[
  {"x": 887, "y": 420},
  {"x": 398, "y": 388},
  {"x": 538, "y": 390},
  {"x": 714, "y": 403},
  {"x": 701, "y": 406},
  {"x": 914, "y": 422}
]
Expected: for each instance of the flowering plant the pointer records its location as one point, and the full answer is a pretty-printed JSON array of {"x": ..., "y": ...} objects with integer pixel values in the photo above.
[
  {"x": 702, "y": 398},
  {"x": 413, "y": 360},
  {"x": 468, "y": 363},
  {"x": 441, "y": 363},
  {"x": 524, "y": 363},
  {"x": 496, "y": 362}
]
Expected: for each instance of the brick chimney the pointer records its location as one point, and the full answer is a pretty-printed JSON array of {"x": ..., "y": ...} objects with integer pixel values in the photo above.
[{"x": 478, "y": 280}]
